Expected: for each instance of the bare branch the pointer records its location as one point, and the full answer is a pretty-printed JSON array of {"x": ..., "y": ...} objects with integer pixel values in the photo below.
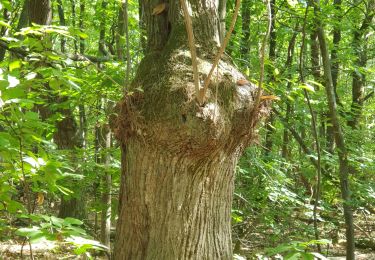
[
  {"x": 191, "y": 40},
  {"x": 203, "y": 91}
]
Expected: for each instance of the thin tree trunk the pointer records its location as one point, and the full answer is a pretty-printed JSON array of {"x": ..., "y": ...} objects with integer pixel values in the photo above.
[
  {"x": 105, "y": 228},
  {"x": 336, "y": 42},
  {"x": 74, "y": 17},
  {"x": 3, "y": 33},
  {"x": 329, "y": 135},
  {"x": 285, "y": 147},
  {"x": 121, "y": 30},
  {"x": 82, "y": 25},
  {"x": 60, "y": 10},
  {"x": 339, "y": 137},
  {"x": 102, "y": 50},
  {"x": 245, "y": 44},
  {"x": 270, "y": 130},
  {"x": 358, "y": 77},
  {"x": 222, "y": 15},
  {"x": 315, "y": 134},
  {"x": 128, "y": 58}
]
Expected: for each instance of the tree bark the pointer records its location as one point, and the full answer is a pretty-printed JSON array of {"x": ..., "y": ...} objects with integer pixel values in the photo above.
[
  {"x": 179, "y": 157},
  {"x": 179, "y": 209},
  {"x": 40, "y": 11}
]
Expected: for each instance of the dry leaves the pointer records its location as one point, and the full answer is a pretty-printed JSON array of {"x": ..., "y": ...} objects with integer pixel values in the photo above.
[
  {"x": 270, "y": 97},
  {"x": 242, "y": 82},
  {"x": 40, "y": 198}
]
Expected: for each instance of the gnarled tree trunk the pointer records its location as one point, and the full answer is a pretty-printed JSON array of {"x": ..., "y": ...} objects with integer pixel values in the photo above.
[{"x": 179, "y": 157}]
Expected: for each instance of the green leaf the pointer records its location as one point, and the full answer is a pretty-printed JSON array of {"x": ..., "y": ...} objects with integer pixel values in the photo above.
[
  {"x": 3, "y": 84},
  {"x": 5, "y": 24},
  {"x": 72, "y": 221},
  {"x": 64, "y": 190},
  {"x": 307, "y": 86},
  {"x": 82, "y": 249},
  {"x": 14, "y": 206},
  {"x": 293, "y": 256},
  {"x": 29, "y": 232},
  {"x": 57, "y": 221},
  {"x": 14, "y": 65}
]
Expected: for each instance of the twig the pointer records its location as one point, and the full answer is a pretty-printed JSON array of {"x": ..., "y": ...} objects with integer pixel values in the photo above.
[
  {"x": 191, "y": 40},
  {"x": 364, "y": 232},
  {"x": 262, "y": 58},
  {"x": 202, "y": 93}
]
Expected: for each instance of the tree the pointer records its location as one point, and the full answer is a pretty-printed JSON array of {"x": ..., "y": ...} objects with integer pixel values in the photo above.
[
  {"x": 344, "y": 166},
  {"x": 179, "y": 156}
]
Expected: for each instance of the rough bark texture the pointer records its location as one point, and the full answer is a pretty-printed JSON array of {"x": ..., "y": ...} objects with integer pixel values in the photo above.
[
  {"x": 40, "y": 11},
  {"x": 178, "y": 157}
]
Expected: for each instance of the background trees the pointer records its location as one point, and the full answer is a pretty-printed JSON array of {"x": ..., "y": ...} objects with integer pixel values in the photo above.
[{"x": 59, "y": 82}]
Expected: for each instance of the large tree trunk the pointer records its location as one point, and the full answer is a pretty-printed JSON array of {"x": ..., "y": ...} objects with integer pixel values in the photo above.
[
  {"x": 179, "y": 157},
  {"x": 179, "y": 207}
]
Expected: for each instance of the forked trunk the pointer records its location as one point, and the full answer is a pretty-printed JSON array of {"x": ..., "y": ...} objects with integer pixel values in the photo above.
[{"x": 179, "y": 157}]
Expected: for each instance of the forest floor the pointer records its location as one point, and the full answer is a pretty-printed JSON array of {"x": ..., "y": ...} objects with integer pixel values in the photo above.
[
  {"x": 365, "y": 231},
  {"x": 55, "y": 250},
  {"x": 48, "y": 250}
]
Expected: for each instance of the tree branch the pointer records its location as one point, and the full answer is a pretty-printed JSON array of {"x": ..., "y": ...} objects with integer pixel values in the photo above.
[
  {"x": 191, "y": 40},
  {"x": 203, "y": 91}
]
